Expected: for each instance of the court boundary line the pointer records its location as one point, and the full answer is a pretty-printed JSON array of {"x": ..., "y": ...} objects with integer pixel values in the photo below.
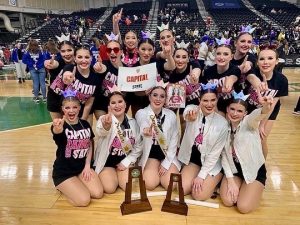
[{"x": 22, "y": 128}]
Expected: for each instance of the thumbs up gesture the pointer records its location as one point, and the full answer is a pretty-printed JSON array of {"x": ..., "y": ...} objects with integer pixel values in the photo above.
[{"x": 69, "y": 77}]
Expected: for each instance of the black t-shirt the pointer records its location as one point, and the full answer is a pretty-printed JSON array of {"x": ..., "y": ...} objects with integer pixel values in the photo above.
[
  {"x": 72, "y": 147},
  {"x": 243, "y": 83},
  {"x": 277, "y": 87},
  {"x": 211, "y": 75},
  {"x": 86, "y": 87},
  {"x": 251, "y": 58},
  {"x": 53, "y": 73},
  {"x": 192, "y": 90},
  {"x": 110, "y": 77}
]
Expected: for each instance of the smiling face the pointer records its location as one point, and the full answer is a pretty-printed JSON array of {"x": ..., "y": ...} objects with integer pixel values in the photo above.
[
  {"x": 130, "y": 40},
  {"x": 166, "y": 38},
  {"x": 117, "y": 105},
  {"x": 267, "y": 60},
  {"x": 146, "y": 51},
  {"x": 83, "y": 58},
  {"x": 157, "y": 99},
  {"x": 70, "y": 108},
  {"x": 114, "y": 52},
  {"x": 208, "y": 103},
  {"x": 223, "y": 56},
  {"x": 67, "y": 53},
  {"x": 236, "y": 112},
  {"x": 181, "y": 59},
  {"x": 243, "y": 43}
]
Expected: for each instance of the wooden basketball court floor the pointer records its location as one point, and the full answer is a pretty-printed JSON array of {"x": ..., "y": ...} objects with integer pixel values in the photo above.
[{"x": 28, "y": 196}]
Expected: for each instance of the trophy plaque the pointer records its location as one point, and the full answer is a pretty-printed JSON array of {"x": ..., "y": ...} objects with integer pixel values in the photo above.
[
  {"x": 171, "y": 206},
  {"x": 130, "y": 206}
]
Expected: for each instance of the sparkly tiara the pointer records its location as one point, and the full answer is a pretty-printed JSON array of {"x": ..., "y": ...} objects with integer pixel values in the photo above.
[
  {"x": 247, "y": 29},
  {"x": 147, "y": 35},
  {"x": 69, "y": 93},
  {"x": 223, "y": 41},
  {"x": 163, "y": 27},
  {"x": 182, "y": 44},
  {"x": 112, "y": 37},
  {"x": 208, "y": 86},
  {"x": 240, "y": 95},
  {"x": 63, "y": 38}
]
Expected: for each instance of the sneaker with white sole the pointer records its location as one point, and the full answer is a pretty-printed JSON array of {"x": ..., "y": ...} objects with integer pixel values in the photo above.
[
  {"x": 36, "y": 100},
  {"x": 44, "y": 100},
  {"x": 297, "y": 113}
]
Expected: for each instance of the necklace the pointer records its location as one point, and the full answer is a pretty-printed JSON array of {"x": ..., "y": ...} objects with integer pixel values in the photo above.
[{"x": 75, "y": 124}]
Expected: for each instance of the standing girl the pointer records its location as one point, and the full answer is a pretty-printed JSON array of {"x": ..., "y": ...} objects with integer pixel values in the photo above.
[
  {"x": 34, "y": 59},
  {"x": 55, "y": 64}
]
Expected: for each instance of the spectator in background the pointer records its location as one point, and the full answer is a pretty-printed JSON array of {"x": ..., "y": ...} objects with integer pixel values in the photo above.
[{"x": 17, "y": 55}]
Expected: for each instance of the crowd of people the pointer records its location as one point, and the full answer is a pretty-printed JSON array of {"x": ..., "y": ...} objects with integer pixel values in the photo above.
[{"x": 232, "y": 101}]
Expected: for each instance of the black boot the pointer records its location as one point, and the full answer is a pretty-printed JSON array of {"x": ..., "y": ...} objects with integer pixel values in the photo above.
[{"x": 20, "y": 81}]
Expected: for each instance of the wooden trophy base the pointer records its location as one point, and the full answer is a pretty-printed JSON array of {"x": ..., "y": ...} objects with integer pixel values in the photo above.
[
  {"x": 136, "y": 206},
  {"x": 175, "y": 207}
]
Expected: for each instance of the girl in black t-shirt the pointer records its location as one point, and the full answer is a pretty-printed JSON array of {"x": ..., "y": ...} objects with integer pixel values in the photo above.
[
  {"x": 55, "y": 66},
  {"x": 82, "y": 78},
  {"x": 277, "y": 88},
  {"x": 109, "y": 73},
  {"x": 186, "y": 73},
  {"x": 72, "y": 173},
  {"x": 224, "y": 74},
  {"x": 243, "y": 58},
  {"x": 139, "y": 100}
]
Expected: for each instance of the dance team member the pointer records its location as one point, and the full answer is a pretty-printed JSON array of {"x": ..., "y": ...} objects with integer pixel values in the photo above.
[{"x": 72, "y": 173}]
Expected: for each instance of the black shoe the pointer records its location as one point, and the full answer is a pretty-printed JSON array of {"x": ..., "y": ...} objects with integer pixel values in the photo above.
[
  {"x": 23, "y": 80},
  {"x": 20, "y": 81}
]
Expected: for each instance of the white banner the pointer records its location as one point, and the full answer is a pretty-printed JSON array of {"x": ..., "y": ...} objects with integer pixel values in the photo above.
[
  {"x": 12, "y": 2},
  {"x": 140, "y": 78}
]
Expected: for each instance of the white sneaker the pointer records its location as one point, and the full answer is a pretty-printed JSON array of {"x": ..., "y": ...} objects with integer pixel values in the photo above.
[{"x": 36, "y": 100}]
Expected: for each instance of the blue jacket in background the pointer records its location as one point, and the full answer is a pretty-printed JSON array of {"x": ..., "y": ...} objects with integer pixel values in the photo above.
[
  {"x": 14, "y": 55},
  {"x": 34, "y": 60}
]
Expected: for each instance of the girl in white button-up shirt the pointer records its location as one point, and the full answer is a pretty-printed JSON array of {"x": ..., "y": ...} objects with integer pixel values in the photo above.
[
  {"x": 119, "y": 144},
  {"x": 201, "y": 146},
  {"x": 242, "y": 158},
  {"x": 160, "y": 133}
]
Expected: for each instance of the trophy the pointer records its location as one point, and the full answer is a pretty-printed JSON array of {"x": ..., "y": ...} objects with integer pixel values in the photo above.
[
  {"x": 171, "y": 206},
  {"x": 130, "y": 206}
]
